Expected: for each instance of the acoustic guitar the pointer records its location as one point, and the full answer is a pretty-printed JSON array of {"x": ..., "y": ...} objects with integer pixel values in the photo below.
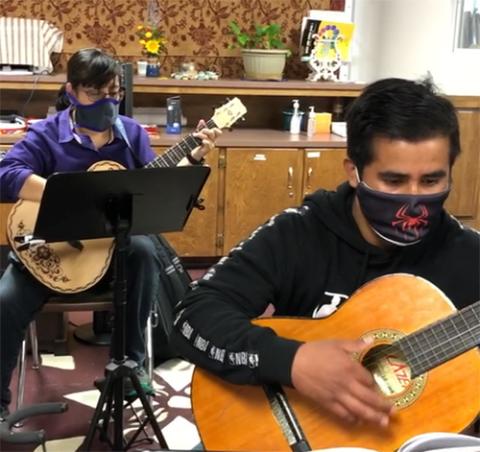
[
  {"x": 430, "y": 373},
  {"x": 77, "y": 266}
]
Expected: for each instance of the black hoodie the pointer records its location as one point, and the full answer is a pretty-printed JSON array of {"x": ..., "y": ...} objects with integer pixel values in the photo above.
[{"x": 306, "y": 262}]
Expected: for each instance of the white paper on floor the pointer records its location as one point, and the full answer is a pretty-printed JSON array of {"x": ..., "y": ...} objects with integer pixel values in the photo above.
[{"x": 59, "y": 362}]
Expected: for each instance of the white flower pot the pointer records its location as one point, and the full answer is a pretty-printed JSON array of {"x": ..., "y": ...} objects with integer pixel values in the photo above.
[{"x": 262, "y": 64}]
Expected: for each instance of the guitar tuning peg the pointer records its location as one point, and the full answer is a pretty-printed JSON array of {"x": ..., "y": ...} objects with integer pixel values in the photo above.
[{"x": 243, "y": 118}]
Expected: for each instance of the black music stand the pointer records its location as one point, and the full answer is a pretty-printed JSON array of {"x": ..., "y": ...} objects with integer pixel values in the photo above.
[{"x": 118, "y": 204}]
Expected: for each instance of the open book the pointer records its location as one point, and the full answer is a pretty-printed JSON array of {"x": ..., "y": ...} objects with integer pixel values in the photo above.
[{"x": 427, "y": 442}]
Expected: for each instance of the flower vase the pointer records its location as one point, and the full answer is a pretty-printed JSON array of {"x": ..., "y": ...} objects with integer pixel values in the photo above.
[{"x": 153, "y": 67}]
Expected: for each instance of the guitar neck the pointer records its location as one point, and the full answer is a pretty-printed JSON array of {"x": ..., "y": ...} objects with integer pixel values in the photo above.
[
  {"x": 178, "y": 151},
  {"x": 442, "y": 341}
]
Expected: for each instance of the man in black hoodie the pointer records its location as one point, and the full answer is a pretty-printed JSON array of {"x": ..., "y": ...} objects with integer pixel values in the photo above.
[{"x": 387, "y": 218}]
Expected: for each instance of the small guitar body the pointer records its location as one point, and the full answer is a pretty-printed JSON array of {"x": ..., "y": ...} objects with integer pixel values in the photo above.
[
  {"x": 75, "y": 267},
  {"x": 446, "y": 398},
  {"x": 61, "y": 266}
]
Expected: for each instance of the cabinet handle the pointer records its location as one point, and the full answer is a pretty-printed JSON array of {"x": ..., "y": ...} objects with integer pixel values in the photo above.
[
  {"x": 290, "y": 181},
  {"x": 309, "y": 177}
]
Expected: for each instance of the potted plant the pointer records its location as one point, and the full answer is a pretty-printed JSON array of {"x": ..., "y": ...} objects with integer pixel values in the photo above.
[{"x": 264, "y": 54}]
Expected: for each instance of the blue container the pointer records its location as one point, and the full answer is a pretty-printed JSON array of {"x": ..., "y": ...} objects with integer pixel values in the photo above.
[{"x": 153, "y": 70}]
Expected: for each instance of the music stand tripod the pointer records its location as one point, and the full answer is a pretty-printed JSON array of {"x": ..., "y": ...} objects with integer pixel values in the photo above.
[{"x": 118, "y": 204}]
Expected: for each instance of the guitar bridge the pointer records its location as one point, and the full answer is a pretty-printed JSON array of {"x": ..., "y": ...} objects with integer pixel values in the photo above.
[{"x": 26, "y": 241}]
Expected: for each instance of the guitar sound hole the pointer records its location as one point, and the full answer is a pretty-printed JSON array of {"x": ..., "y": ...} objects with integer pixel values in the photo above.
[{"x": 389, "y": 368}]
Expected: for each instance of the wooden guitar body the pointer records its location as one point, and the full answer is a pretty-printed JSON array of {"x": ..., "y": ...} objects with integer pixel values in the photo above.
[
  {"x": 447, "y": 398},
  {"x": 60, "y": 266}
]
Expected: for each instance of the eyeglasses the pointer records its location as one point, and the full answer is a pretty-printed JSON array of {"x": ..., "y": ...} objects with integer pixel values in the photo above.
[{"x": 98, "y": 94}]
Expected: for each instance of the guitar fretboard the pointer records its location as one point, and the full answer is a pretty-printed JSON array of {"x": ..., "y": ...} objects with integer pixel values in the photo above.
[
  {"x": 444, "y": 340},
  {"x": 178, "y": 151}
]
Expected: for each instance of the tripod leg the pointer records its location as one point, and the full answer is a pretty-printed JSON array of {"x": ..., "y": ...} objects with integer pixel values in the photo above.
[
  {"x": 87, "y": 443},
  {"x": 141, "y": 428},
  {"x": 107, "y": 412},
  {"x": 148, "y": 411},
  {"x": 118, "y": 439}
]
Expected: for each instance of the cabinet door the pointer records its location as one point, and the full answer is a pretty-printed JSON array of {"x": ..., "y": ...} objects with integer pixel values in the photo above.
[
  {"x": 258, "y": 184},
  {"x": 323, "y": 168},
  {"x": 199, "y": 234},
  {"x": 463, "y": 201}
]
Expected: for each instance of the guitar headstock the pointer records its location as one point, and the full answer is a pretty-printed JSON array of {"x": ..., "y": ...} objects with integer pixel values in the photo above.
[{"x": 229, "y": 113}]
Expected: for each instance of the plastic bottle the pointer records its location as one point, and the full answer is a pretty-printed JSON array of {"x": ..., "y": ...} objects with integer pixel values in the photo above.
[
  {"x": 174, "y": 115},
  {"x": 296, "y": 120},
  {"x": 311, "y": 122}
]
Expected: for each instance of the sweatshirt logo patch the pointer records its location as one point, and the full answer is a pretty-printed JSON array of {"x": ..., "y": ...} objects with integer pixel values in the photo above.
[{"x": 327, "y": 309}]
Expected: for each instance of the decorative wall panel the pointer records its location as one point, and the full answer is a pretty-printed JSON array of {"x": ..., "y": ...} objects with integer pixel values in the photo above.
[{"x": 197, "y": 30}]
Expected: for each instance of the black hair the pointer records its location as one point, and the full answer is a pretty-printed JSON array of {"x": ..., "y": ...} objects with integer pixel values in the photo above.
[
  {"x": 62, "y": 102},
  {"x": 88, "y": 67},
  {"x": 91, "y": 67},
  {"x": 399, "y": 109}
]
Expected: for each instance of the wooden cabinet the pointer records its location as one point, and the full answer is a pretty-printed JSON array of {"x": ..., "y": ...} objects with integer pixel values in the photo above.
[
  {"x": 263, "y": 181},
  {"x": 258, "y": 183},
  {"x": 199, "y": 236},
  {"x": 464, "y": 198},
  {"x": 323, "y": 168}
]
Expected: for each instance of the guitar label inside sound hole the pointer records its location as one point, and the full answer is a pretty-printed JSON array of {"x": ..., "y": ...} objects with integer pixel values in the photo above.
[{"x": 391, "y": 370}]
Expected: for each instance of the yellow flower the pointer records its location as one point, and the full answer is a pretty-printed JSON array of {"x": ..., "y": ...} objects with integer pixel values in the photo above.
[
  {"x": 148, "y": 34},
  {"x": 152, "y": 46},
  {"x": 142, "y": 41},
  {"x": 139, "y": 27}
]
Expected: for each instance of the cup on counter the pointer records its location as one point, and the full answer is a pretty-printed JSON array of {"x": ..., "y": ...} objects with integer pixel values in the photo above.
[
  {"x": 323, "y": 122},
  {"x": 142, "y": 68}
]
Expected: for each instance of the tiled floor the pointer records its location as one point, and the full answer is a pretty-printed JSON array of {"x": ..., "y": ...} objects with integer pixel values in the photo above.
[{"x": 70, "y": 379}]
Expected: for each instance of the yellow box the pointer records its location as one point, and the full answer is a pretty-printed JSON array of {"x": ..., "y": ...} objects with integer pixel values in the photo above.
[{"x": 323, "y": 122}]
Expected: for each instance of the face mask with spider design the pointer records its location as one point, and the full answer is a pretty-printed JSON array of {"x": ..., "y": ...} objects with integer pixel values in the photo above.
[{"x": 400, "y": 219}]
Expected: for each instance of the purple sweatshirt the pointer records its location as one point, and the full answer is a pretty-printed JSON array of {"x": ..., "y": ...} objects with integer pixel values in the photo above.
[{"x": 52, "y": 146}]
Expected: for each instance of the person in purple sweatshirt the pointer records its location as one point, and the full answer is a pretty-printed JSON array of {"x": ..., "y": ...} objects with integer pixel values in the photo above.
[{"x": 89, "y": 130}]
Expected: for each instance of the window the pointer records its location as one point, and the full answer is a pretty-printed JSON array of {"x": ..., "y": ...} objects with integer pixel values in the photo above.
[{"x": 468, "y": 24}]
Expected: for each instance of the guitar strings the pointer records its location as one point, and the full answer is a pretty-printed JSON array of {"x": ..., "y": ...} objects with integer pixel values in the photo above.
[
  {"x": 468, "y": 315},
  {"x": 420, "y": 336},
  {"x": 179, "y": 150}
]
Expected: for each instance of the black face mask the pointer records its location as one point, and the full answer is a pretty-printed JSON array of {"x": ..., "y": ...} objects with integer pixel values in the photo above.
[
  {"x": 400, "y": 219},
  {"x": 99, "y": 116}
]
